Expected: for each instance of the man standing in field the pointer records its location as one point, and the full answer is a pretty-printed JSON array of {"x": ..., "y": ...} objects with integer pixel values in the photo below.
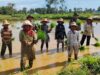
[
  {"x": 60, "y": 33},
  {"x": 45, "y": 28},
  {"x": 6, "y": 35},
  {"x": 31, "y": 18},
  {"x": 73, "y": 41},
  {"x": 75, "y": 19},
  {"x": 27, "y": 38}
]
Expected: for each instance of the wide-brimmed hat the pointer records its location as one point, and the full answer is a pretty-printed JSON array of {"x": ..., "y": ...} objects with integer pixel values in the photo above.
[
  {"x": 45, "y": 20},
  {"x": 73, "y": 24},
  {"x": 60, "y": 20},
  {"x": 30, "y": 16},
  {"x": 27, "y": 22},
  {"x": 76, "y": 14},
  {"x": 5, "y": 22},
  {"x": 89, "y": 18}
]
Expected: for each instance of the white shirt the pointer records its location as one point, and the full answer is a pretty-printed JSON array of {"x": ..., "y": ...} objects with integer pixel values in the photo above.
[{"x": 73, "y": 38}]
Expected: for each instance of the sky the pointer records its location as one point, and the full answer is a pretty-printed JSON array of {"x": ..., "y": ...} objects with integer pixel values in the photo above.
[{"x": 19, "y": 4}]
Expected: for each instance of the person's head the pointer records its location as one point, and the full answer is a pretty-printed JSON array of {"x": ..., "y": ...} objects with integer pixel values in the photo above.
[
  {"x": 30, "y": 18},
  {"x": 89, "y": 20},
  {"x": 27, "y": 25},
  {"x": 73, "y": 26},
  {"x": 60, "y": 21},
  {"x": 45, "y": 21},
  {"x": 76, "y": 15},
  {"x": 5, "y": 24}
]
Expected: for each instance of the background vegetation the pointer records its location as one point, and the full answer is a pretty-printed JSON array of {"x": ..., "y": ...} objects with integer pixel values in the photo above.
[{"x": 53, "y": 9}]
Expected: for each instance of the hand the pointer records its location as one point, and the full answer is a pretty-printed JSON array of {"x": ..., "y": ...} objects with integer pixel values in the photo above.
[
  {"x": 24, "y": 42},
  {"x": 35, "y": 41},
  {"x": 93, "y": 35},
  {"x": 29, "y": 43}
]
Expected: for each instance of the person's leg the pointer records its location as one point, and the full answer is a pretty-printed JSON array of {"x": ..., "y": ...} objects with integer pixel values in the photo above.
[
  {"x": 30, "y": 63},
  {"x": 76, "y": 49},
  {"x": 88, "y": 40},
  {"x": 3, "y": 49},
  {"x": 58, "y": 45},
  {"x": 42, "y": 44},
  {"x": 62, "y": 45},
  {"x": 83, "y": 39},
  {"x": 70, "y": 50},
  {"x": 47, "y": 44},
  {"x": 22, "y": 63},
  {"x": 10, "y": 48}
]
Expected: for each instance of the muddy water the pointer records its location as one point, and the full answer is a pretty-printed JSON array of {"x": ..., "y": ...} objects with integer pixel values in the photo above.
[{"x": 45, "y": 64}]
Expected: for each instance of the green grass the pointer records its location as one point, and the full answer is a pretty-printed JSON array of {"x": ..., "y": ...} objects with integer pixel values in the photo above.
[
  {"x": 82, "y": 48},
  {"x": 89, "y": 65},
  {"x": 40, "y": 16},
  {"x": 97, "y": 44}
]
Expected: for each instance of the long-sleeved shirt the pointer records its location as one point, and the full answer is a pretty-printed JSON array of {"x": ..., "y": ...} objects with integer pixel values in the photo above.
[
  {"x": 60, "y": 32},
  {"x": 24, "y": 37},
  {"x": 6, "y": 35},
  {"x": 88, "y": 30},
  {"x": 73, "y": 38}
]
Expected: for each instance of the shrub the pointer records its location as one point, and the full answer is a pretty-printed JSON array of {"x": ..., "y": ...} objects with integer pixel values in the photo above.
[
  {"x": 71, "y": 71},
  {"x": 82, "y": 48},
  {"x": 92, "y": 63}
]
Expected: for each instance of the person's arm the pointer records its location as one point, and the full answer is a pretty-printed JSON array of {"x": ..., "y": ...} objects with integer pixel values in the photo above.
[
  {"x": 68, "y": 38},
  {"x": 10, "y": 33},
  {"x": 77, "y": 36},
  {"x": 65, "y": 33},
  {"x": 92, "y": 31},
  {"x": 35, "y": 40},
  {"x": 1, "y": 33},
  {"x": 56, "y": 32},
  {"x": 49, "y": 30},
  {"x": 21, "y": 37}
]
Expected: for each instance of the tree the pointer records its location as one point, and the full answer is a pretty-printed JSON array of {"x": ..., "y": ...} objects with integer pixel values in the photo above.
[
  {"x": 24, "y": 10},
  {"x": 31, "y": 11},
  {"x": 11, "y": 9},
  {"x": 98, "y": 8},
  {"x": 70, "y": 10},
  {"x": 57, "y": 4}
]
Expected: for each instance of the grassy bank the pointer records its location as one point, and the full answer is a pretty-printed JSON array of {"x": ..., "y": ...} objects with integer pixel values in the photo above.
[
  {"x": 89, "y": 65},
  {"x": 39, "y": 16}
]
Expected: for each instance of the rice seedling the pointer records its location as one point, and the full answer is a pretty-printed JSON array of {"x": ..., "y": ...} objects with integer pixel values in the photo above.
[
  {"x": 52, "y": 25},
  {"x": 82, "y": 48},
  {"x": 41, "y": 35},
  {"x": 97, "y": 44}
]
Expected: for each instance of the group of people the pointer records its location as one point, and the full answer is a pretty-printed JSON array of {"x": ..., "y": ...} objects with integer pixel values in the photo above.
[{"x": 28, "y": 37}]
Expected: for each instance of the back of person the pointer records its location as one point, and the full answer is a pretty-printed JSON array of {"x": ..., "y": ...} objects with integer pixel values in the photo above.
[
  {"x": 60, "y": 32},
  {"x": 44, "y": 28}
]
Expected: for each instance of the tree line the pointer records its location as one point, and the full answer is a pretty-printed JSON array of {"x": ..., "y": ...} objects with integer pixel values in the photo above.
[{"x": 52, "y": 7}]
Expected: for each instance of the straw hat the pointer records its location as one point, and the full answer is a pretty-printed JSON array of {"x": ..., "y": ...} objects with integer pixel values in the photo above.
[
  {"x": 73, "y": 24},
  {"x": 5, "y": 22},
  {"x": 45, "y": 20},
  {"x": 90, "y": 18},
  {"x": 29, "y": 16},
  {"x": 60, "y": 20},
  {"x": 27, "y": 22}
]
